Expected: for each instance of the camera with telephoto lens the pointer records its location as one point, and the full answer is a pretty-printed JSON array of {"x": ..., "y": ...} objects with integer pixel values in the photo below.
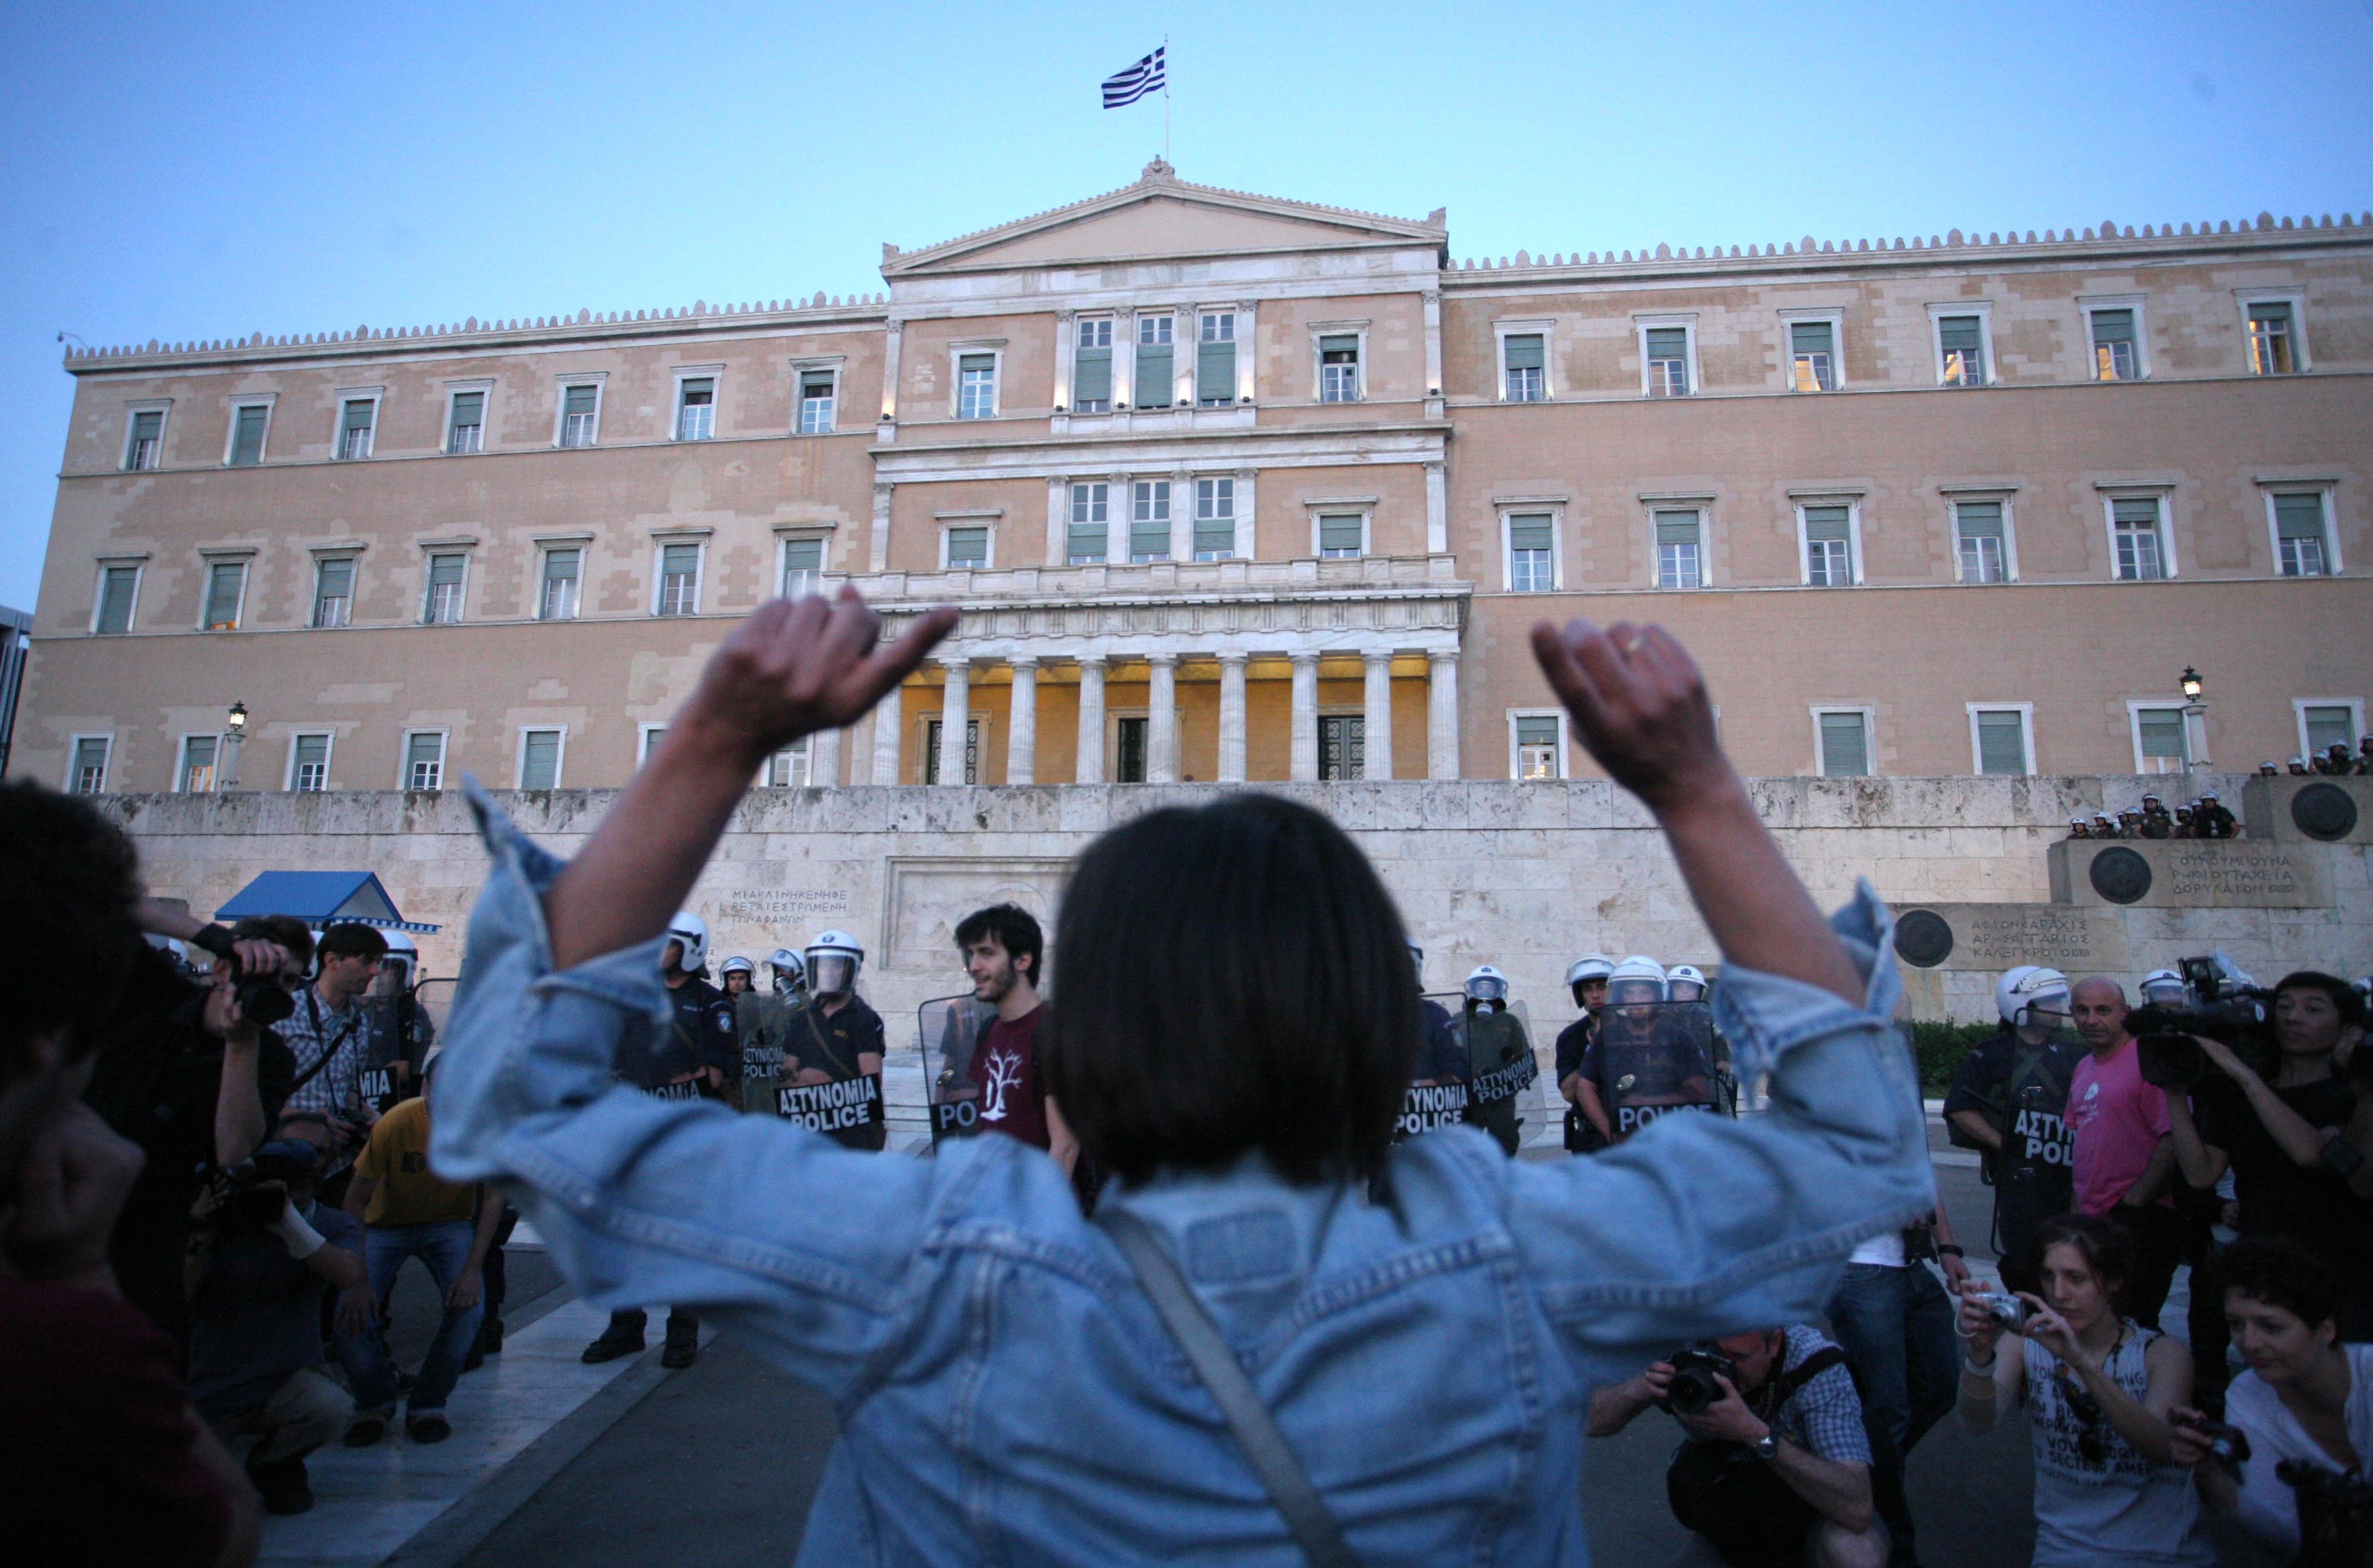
[
  {"x": 1693, "y": 1388},
  {"x": 239, "y": 1187},
  {"x": 2008, "y": 1309},
  {"x": 262, "y": 1000},
  {"x": 2222, "y": 1006},
  {"x": 2228, "y": 1446}
]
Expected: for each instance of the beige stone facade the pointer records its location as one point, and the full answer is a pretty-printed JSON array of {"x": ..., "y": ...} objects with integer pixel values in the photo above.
[{"x": 1338, "y": 478}]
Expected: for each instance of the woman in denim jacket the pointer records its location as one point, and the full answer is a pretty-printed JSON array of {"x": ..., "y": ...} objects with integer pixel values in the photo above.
[{"x": 1424, "y": 1321}]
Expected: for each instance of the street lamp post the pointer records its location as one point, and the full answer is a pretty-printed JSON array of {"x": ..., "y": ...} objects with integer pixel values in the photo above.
[
  {"x": 234, "y": 731},
  {"x": 2195, "y": 720}
]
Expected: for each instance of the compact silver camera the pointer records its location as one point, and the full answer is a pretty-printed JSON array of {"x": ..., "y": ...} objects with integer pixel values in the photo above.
[{"x": 2008, "y": 1309}]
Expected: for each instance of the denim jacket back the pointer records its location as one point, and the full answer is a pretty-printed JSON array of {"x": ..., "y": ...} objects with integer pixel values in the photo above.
[{"x": 1006, "y": 1393}]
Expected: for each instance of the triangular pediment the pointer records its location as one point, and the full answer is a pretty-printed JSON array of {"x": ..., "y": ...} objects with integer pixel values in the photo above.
[{"x": 1162, "y": 215}]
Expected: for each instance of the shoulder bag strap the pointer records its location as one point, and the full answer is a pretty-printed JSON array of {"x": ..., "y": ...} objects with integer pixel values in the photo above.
[{"x": 1281, "y": 1475}]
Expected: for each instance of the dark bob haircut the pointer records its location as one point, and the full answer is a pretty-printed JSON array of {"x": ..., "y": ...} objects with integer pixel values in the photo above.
[
  {"x": 1234, "y": 977},
  {"x": 1016, "y": 930},
  {"x": 2280, "y": 1272},
  {"x": 2106, "y": 1250}
]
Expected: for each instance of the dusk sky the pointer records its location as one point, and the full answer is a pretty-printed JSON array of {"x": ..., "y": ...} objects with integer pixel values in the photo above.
[{"x": 181, "y": 172}]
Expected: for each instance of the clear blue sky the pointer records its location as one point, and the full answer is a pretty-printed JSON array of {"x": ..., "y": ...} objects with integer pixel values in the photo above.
[{"x": 180, "y": 172}]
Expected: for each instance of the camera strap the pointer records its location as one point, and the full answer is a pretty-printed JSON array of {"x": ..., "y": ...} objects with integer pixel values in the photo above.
[
  {"x": 329, "y": 1048},
  {"x": 1281, "y": 1475}
]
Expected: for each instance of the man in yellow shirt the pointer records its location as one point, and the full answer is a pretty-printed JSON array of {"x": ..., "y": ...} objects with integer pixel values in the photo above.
[{"x": 408, "y": 1211}]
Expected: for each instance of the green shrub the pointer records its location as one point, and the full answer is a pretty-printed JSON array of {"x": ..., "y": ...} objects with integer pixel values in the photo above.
[{"x": 1940, "y": 1047}]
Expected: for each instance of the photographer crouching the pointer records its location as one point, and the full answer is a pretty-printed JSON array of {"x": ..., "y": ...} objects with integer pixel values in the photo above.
[{"x": 1776, "y": 1468}]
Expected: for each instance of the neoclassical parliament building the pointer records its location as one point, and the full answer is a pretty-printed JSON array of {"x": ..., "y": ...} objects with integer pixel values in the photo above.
[{"x": 1232, "y": 487}]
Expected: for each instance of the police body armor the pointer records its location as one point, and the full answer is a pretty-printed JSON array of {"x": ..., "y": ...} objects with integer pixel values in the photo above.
[
  {"x": 2034, "y": 1174},
  {"x": 665, "y": 1059},
  {"x": 759, "y": 1021},
  {"x": 950, "y": 1029},
  {"x": 1654, "y": 1059},
  {"x": 395, "y": 1031},
  {"x": 1497, "y": 1051},
  {"x": 852, "y": 1113}
]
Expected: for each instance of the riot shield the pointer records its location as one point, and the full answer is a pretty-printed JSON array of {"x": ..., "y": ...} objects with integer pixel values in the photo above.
[
  {"x": 759, "y": 1021},
  {"x": 396, "y": 1037},
  {"x": 948, "y": 1031},
  {"x": 1652, "y": 1059}
]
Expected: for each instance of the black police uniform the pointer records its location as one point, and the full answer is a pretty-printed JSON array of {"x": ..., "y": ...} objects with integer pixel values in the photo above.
[
  {"x": 831, "y": 1045},
  {"x": 2023, "y": 1089},
  {"x": 1495, "y": 1040},
  {"x": 1440, "y": 1058}
]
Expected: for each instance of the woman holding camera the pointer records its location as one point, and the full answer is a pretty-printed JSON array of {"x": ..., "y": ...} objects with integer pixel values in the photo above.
[{"x": 2100, "y": 1389}]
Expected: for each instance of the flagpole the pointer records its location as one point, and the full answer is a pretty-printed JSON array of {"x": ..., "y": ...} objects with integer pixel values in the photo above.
[{"x": 1165, "y": 98}]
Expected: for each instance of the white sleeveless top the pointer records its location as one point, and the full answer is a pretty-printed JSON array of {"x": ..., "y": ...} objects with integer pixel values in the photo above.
[{"x": 2098, "y": 1501}]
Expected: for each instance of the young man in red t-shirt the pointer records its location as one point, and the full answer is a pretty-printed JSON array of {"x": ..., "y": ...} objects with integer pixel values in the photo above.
[{"x": 1002, "y": 949}]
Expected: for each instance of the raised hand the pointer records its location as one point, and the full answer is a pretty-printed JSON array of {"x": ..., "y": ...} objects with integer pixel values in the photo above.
[{"x": 1639, "y": 706}]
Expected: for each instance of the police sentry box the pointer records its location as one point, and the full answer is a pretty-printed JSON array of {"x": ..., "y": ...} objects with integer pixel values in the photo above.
[
  {"x": 832, "y": 1107},
  {"x": 948, "y": 1030}
]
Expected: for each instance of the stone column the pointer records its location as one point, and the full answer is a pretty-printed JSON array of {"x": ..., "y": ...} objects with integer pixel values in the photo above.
[
  {"x": 1305, "y": 717},
  {"x": 1161, "y": 719},
  {"x": 1231, "y": 718},
  {"x": 1378, "y": 748},
  {"x": 889, "y": 718},
  {"x": 1022, "y": 724},
  {"x": 1437, "y": 510},
  {"x": 824, "y": 758},
  {"x": 878, "y": 546},
  {"x": 1090, "y": 768},
  {"x": 955, "y": 710},
  {"x": 893, "y": 338},
  {"x": 1442, "y": 715}
]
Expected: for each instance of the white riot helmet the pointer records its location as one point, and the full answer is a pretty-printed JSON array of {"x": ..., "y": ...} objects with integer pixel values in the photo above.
[
  {"x": 1417, "y": 961},
  {"x": 1637, "y": 980},
  {"x": 1589, "y": 966},
  {"x": 2164, "y": 987},
  {"x": 402, "y": 955},
  {"x": 737, "y": 966},
  {"x": 790, "y": 971},
  {"x": 833, "y": 962},
  {"x": 1486, "y": 986},
  {"x": 692, "y": 932},
  {"x": 1683, "y": 974},
  {"x": 2030, "y": 987}
]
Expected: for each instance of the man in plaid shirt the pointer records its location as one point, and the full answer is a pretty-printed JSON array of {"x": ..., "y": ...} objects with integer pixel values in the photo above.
[{"x": 331, "y": 1037}]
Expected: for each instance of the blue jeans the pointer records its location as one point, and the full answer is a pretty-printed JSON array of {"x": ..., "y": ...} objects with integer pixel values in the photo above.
[
  {"x": 444, "y": 1247},
  {"x": 1896, "y": 1327}
]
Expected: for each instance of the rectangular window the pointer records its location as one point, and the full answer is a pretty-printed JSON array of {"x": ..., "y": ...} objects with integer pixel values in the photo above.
[
  {"x": 1090, "y": 533},
  {"x": 564, "y": 570},
  {"x": 119, "y": 589},
  {"x": 931, "y": 729},
  {"x": 2300, "y": 535},
  {"x": 1342, "y": 745},
  {"x": 145, "y": 448},
  {"x": 1149, "y": 519},
  {"x": 2326, "y": 725},
  {"x": 2274, "y": 349},
  {"x": 226, "y": 586},
  {"x": 580, "y": 412},
  {"x": 1845, "y": 745},
  {"x": 1215, "y": 359},
  {"x": 1092, "y": 356},
  {"x": 977, "y": 386},
  {"x": 196, "y": 774},
  {"x": 1813, "y": 356},
  {"x": 2114, "y": 345},
  {"x": 1339, "y": 368},
  {"x": 794, "y": 767},
  {"x": 89, "y": 773},
  {"x": 1977, "y": 540},
  {"x": 1524, "y": 359},
  {"x": 1157, "y": 375},
  {"x": 2001, "y": 741},
  {"x": 1215, "y": 519},
  {"x": 967, "y": 547},
  {"x": 447, "y": 573},
  {"x": 679, "y": 579},
  {"x": 358, "y": 420},
  {"x": 1679, "y": 546},
  {"x": 424, "y": 760},
  {"x": 2159, "y": 738},
  {"x": 2141, "y": 554},
  {"x": 819, "y": 393},
  {"x": 465, "y": 423},
  {"x": 1829, "y": 546},
  {"x": 802, "y": 566},
  {"x": 652, "y": 734},
  {"x": 1668, "y": 361},
  {"x": 540, "y": 759},
  {"x": 248, "y": 423},
  {"x": 696, "y": 408},
  {"x": 1539, "y": 754},
  {"x": 1338, "y": 538},
  {"x": 1128, "y": 750},
  {"x": 309, "y": 763},
  {"x": 333, "y": 591},
  {"x": 1961, "y": 343},
  {"x": 1532, "y": 562}
]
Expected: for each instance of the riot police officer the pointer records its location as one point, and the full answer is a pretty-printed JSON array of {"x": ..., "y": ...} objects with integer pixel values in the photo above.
[
  {"x": 1495, "y": 1042},
  {"x": 1440, "y": 1058},
  {"x": 1587, "y": 978},
  {"x": 738, "y": 976},
  {"x": 836, "y": 1036},
  {"x": 1650, "y": 1057},
  {"x": 2009, "y": 1101}
]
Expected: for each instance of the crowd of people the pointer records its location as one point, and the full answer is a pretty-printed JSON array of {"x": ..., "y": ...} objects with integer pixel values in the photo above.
[
  {"x": 1218, "y": 1155},
  {"x": 2205, "y": 817}
]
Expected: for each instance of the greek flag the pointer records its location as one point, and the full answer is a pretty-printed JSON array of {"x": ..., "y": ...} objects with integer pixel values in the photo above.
[{"x": 1144, "y": 77}]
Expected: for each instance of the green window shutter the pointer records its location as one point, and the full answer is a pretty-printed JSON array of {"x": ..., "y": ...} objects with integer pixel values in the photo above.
[
  {"x": 2113, "y": 326},
  {"x": 2330, "y": 724},
  {"x": 1676, "y": 528},
  {"x": 1810, "y": 337},
  {"x": 2272, "y": 312},
  {"x": 2135, "y": 512},
  {"x": 1828, "y": 522},
  {"x": 2001, "y": 743},
  {"x": 1529, "y": 532},
  {"x": 1088, "y": 542},
  {"x": 1962, "y": 333},
  {"x": 116, "y": 586},
  {"x": 579, "y": 400},
  {"x": 446, "y": 570},
  {"x": 1845, "y": 746},
  {"x": 247, "y": 436},
  {"x": 338, "y": 579},
  {"x": 540, "y": 760},
  {"x": 561, "y": 565},
  {"x": 1091, "y": 376},
  {"x": 1525, "y": 352},
  {"x": 147, "y": 426},
  {"x": 420, "y": 750},
  {"x": 804, "y": 555},
  {"x": 1156, "y": 381},
  {"x": 1541, "y": 731},
  {"x": 971, "y": 363},
  {"x": 1339, "y": 533},
  {"x": 2299, "y": 516},
  {"x": 680, "y": 560},
  {"x": 967, "y": 546},
  {"x": 90, "y": 765},
  {"x": 1339, "y": 343},
  {"x": 1669, "y": 342},
  {"x": 357, "y": 414},
  {"x": 698, "y": 390},
  {"x": 469, "y": 408},
  {"x": 1215, "y": 372},
  {"x": 223, "y": 585},
  {"x": 2161, "y": 730},
  {"x": 1978, "y": 520}
]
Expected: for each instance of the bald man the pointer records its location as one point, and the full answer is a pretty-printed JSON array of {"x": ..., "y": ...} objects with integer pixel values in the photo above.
[{"x": 2124, "y": 1158}]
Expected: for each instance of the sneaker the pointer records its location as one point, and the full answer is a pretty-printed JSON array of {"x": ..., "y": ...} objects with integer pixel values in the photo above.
[
  {"x": 609, "y": 1347},
  {"x": 428, "y": 1426},
  {"x": 283, "y": 1485},
  {"x": 368, "y": 1428},
  {"x": 680, "y": 1353}
]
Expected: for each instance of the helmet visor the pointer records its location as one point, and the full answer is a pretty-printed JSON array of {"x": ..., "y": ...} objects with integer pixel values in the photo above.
[
  {"x": 1487, "y": 988},
  {"x": 832, "y": 972}
]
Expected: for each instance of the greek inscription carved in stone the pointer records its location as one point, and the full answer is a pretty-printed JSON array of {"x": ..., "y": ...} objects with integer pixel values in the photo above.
[
  {"x": 2230, "y": 874},
  {"x": 771, "y": 906},
  {"x": 2026, "y": 934}
]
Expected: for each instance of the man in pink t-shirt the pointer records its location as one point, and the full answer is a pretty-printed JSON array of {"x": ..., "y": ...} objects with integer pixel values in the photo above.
[{"x": 2124, "y": 1160}]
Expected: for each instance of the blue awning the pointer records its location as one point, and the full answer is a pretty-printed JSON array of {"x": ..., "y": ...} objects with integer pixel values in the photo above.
[{"x": 321, "y": 898}]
